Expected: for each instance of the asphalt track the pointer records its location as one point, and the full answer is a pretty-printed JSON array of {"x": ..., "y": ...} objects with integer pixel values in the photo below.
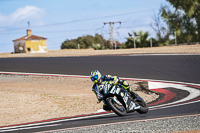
[{"x": 184, "y": 68}]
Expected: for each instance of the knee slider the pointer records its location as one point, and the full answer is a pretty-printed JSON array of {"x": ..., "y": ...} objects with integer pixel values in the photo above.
[{"x": 125, "y": 85}]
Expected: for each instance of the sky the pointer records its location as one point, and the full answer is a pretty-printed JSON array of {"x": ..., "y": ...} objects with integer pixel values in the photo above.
[{"x": 60, "y": 20}]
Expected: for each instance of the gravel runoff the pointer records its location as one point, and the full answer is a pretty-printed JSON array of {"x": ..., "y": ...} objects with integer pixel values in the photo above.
[{"x": 189, "y": 123}]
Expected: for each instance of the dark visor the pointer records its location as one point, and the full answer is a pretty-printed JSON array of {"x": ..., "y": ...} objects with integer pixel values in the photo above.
[{"x": 94, "y": 78}]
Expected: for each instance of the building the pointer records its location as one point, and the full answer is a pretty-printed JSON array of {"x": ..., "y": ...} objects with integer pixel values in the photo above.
[{"x": 30, "y": 44}]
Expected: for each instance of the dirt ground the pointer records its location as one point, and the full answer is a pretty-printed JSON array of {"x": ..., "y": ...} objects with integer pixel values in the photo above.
[
  {"x": 34, "y": 98},
  {"x": 180, "y": 49}
]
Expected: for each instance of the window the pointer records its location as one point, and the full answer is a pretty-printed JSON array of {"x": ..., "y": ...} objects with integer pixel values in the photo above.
[{"x": 29, "y": 49}]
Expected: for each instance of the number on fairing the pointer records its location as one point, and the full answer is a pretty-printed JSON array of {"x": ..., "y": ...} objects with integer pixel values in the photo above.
[
  {"x": 132, "y": 105},
  {"x": 114, "y": 90},
  {"x": 100, "y": 87},
  {"x": 125, "y": 99},
  {"x": 107, "y": 86}
]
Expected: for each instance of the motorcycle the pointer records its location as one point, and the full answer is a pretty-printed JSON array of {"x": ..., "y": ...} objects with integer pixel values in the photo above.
[{"x": 120, "y": 101}]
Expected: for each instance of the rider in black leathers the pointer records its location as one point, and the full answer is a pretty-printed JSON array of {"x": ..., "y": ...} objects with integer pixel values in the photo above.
[{"x": 97, "y": 79}]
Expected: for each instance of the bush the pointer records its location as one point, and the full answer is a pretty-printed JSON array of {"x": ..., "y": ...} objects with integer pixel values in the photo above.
[
  {"x": 97, "y": 46},
  {"x": 96, "y": 42},
  {"x": 69, "y": 45},
  {"x": 164, "y": 44}
]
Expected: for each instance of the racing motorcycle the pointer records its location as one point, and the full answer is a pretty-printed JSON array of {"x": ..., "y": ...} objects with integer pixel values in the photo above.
[{"x": 120, "y": 101}]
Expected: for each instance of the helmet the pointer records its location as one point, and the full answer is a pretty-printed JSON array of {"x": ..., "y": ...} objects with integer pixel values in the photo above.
[{"x": 95, "y": 76}]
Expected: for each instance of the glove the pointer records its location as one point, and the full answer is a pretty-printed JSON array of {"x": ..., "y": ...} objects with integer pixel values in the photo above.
[
  {"x": 120, "y": 82},
  {"x": 99, "y": 97}
]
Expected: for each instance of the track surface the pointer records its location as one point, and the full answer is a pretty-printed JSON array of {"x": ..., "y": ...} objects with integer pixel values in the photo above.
[{"x": 183, "y": 68}]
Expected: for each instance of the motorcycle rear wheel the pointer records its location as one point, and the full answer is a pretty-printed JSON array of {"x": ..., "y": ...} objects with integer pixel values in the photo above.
[{"x": 115, "y": 107}]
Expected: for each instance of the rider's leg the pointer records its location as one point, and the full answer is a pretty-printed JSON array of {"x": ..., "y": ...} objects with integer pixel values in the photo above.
[{"x": 126, "y": 86}]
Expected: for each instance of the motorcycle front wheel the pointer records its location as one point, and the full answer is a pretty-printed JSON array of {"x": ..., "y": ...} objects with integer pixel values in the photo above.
[
  {"x": 143, "y": 106},
  {"x": 119, "y": 109}
]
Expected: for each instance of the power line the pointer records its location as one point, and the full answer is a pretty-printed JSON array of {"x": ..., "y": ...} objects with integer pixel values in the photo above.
[
  {"x": 79, "y": 31},
  {"x": 63, "y": 23},
  {"x": 135, "y": 26},
  {"x": 82, "y": 30}
]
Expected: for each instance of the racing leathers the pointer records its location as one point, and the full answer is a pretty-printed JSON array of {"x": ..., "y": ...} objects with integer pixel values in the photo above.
[{"x": 114, "y": 80}]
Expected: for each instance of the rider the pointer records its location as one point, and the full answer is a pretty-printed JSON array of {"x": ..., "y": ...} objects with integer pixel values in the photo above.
[{"x": 97, "y": 79}]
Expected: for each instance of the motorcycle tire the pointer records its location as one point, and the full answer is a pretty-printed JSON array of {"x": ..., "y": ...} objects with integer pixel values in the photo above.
[
  {"x": 143, "y": 107},
  {"x": 113, "y": 106}
]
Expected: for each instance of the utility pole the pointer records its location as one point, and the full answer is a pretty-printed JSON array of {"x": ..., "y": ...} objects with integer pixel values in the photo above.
[
  {"x": 134, "y": 45},
  {"x": 136, "y": 35},
  {"x": 175, "y": 38},
  {"x": 78, "y": 46},
  {"x": 150, "y": 41},
  {"x": 111, "y": 32}
]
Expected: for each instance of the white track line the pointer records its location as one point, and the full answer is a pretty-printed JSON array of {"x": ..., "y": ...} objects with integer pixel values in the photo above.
[
  {"x": 44, "y": 74},
  {"x": 157, "y": 54}
]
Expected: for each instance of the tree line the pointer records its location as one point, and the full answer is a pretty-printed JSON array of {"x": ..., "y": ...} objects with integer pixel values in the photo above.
[
  {"x": 97, "y": 42},
  {"x": 182, "y": 23}
]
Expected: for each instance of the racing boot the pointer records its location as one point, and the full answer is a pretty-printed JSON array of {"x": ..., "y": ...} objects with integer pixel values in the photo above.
[{"x": 106, "y": 108}]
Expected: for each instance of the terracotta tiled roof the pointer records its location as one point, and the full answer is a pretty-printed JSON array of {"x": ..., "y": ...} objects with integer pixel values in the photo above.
[{"x": 31, "y": 37}]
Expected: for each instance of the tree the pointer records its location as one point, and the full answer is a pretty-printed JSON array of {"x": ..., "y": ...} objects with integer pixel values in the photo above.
[
  {"x": 69, "y": 45},
  {"x": 85, "y": 42},
  {"x": 183, "y": 18},
  {"x": 129, "y": 43},
  {"x": 190, "y": 7},
  {"x": 99, "y": 39},
  {"x": 141, "y": 40},
  {"x": 162, "y": 31}
]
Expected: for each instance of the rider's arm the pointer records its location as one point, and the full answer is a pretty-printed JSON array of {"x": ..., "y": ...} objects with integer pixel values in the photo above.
[
  {"x": 94, "y": 89},
  {"x": 96, "y": 92},
  {"x": 112, "y": 79}
]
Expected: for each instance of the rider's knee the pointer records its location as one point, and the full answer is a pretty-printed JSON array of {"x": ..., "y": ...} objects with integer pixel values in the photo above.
[{"x": 124, "y": 84}]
